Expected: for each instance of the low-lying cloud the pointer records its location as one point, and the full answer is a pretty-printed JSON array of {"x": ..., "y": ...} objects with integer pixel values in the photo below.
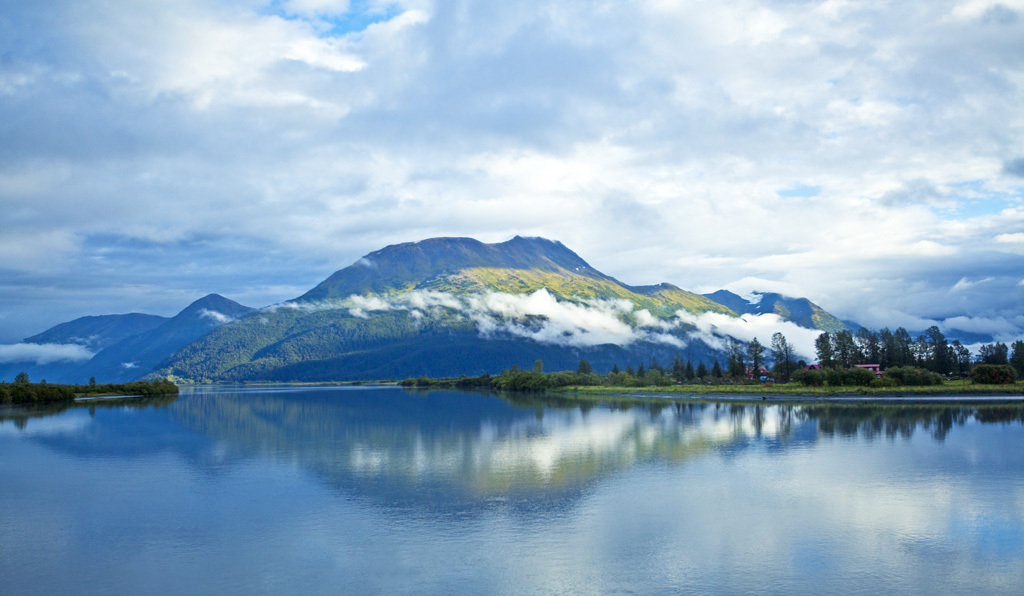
[
  {"x": 44, "y": 353},
  {"x": 713, "y": 327},
  {"x": 217, "y": 317},
  {"x": 543, "y": 318}
]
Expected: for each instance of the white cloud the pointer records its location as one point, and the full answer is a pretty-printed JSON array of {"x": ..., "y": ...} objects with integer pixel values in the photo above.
[
  {"x": 1014, "y": 238},
  {"x": 713, "y": 326},
  {"x": 217, "y": 317},
  {"x": 543, "y": 318},
  {"x": 44, "y": 353},
  {"x": 1006, "y": 328},
  {"x": 964, "y": 284},
  {"x": 650, "y": 137}
]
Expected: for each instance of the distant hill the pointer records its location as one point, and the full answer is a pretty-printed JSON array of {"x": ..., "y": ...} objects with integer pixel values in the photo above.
[
  {"x": 137, "y": 355},
  {"x": 98, "y": 332}
]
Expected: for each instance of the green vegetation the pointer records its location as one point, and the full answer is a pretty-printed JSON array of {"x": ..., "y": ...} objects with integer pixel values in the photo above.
[
  {"x": 22, "y": 391},
  {"x": 993, "y": 374},
  {"x": 794, "y": 390},
  {"x": 834, "y": 382}
]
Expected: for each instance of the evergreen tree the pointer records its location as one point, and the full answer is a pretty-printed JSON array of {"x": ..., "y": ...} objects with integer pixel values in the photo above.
[
  {"x": 961, "y": 357},
  {"x": 702, "y": 371},
  {"x": 993, "y": 353},
  {"x": 756, "y": 352},
  {"x": 678, "y": 370},
  {"x": 716, "y": 370},
  {"x": 904, "y": 348},
  {"x": 690, "y": 372},
  {"x": 868, "y": 346},
  {"x": 584, "y": 367},
  {"x": 782, "y": 354},
  {"x": 735, "y": 362},
  {"x": 1017, "y": 357},
  {"x": 844, "y": 349},
  {"x": 823, "y": 347},
  {"x": 939, "y": 348}
]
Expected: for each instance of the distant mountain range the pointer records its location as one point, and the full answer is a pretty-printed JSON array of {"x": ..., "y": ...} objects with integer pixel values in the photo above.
[{"x": 440, "y": 307}]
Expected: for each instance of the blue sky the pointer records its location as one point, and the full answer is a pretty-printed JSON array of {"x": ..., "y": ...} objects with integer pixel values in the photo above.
[{"x": 864, "y": 154}]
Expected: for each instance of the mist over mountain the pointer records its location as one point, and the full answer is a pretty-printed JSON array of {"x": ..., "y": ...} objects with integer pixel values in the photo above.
[
  {"x": 801, "y": 311},
  {"x": 439, "y": 307}
]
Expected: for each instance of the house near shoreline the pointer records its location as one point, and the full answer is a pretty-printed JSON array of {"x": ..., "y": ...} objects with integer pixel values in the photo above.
[{"x": 763, "y": 373}]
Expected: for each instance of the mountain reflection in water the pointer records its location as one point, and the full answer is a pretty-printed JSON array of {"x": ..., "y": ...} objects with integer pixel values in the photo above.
[
  {"x": 477, "y": 446},
  {"x": 380, "y": 490}
]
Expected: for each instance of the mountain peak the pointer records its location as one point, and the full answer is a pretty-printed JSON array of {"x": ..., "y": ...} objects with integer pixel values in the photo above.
[
  {"x": 214, "y": 303},
  {"x": 404, "y": 266}
]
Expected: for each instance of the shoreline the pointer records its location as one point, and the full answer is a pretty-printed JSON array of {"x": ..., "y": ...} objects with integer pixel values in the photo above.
[
  {"x": 968, "y": 395},
  {"x": 755, "y": 398}
]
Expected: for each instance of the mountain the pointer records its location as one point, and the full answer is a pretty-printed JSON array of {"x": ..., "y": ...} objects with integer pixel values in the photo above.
[
  {"x": 97, "y": 332},
  {"x": 801, "y": 311},
  {"x": 449, "y": 306},
  {"x": 137, "y": 355},
  {"x": 439, "y": 307},
  {"x": 520, "y": 265},
  {"x": 86, "y": 335}
]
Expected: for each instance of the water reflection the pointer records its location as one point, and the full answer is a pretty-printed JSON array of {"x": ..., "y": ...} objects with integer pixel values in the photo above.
[
  {"x": 408, "y": 447},
  {"x": 379, "y": 490},
  {"x": 479, "y": 446}
]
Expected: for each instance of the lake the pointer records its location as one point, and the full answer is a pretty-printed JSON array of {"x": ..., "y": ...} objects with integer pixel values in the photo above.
[{"x": 364, "y": 490}]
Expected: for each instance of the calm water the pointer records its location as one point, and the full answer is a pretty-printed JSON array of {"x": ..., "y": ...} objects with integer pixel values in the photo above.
[{"x": 379, "y": 490}]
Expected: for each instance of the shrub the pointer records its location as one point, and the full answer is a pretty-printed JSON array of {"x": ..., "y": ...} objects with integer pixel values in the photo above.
[
  {"x": 911, "y": 376},
  {"x": 993, "y": 374},
  {"x": 835, "y": 377},
  {"x": 810, "y": 378}
]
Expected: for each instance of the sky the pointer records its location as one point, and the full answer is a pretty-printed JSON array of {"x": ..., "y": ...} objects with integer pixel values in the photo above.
[{"x": 868, "y": 155}]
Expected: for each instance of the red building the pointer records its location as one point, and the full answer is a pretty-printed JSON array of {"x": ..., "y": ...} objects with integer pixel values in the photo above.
[
  {"x": 763, "y": 372},
  {"x": 875, "y": 368}
]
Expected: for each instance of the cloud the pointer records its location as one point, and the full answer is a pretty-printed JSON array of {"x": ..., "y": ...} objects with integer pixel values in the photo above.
[
  {"x": 964, "y": 284},
  {"x": 650, "y": 137},
  {"x": 713, "y": 327},
  {"x": 543, "y": 318},
  {"x": 316, "y": 7},
  {"x": 216, "y": 317},
  {"x": 1005, "y": 328},
  {"x": 1012, "y": 238},
  {"x": 44, "y": 353},
  {"x": 1014, "y": 167}
]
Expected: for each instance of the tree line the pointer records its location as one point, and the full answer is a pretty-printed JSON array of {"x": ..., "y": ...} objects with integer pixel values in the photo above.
[
  {"x": 929, "y": 351},
  {"x": 906, "y": 362},
  {"x": 23, "y": 391}
]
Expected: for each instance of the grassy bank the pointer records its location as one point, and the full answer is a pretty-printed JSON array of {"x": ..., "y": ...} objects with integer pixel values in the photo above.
[{"x": 949, "y": 388}]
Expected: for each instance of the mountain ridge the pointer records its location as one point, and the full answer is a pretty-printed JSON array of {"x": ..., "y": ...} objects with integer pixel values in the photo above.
[{"x": 440, "y": 306}]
